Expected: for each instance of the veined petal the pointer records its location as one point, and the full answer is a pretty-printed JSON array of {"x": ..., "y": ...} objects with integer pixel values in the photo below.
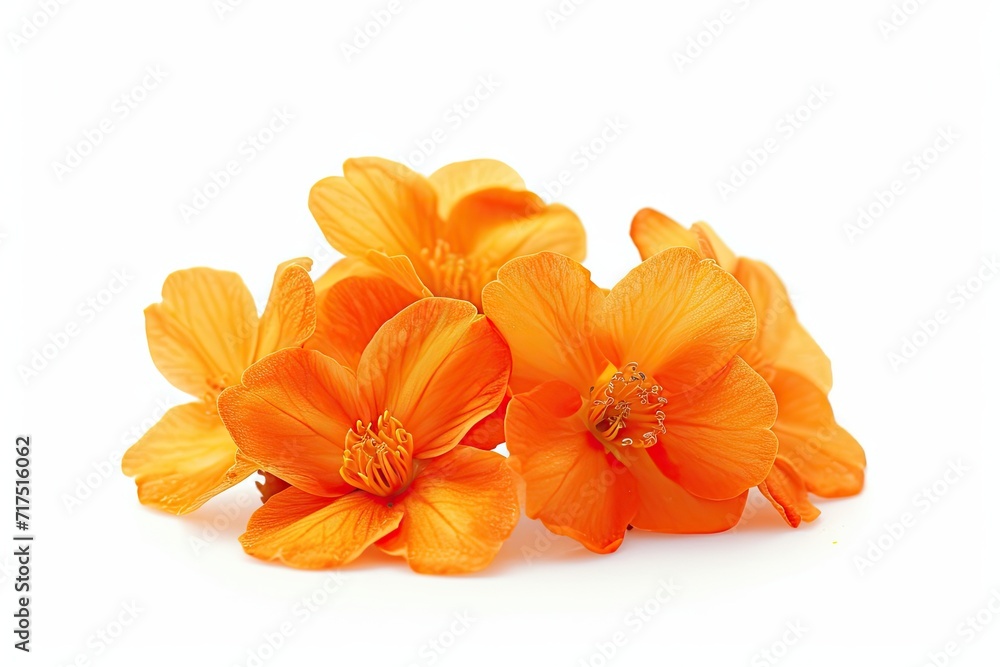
[
  {"x": 460, "y": 179},
  {"x": 291, "y": 415},
  {"x": 343, "y": 268},
  {"x": 438, "y": 367},
  {"x": 573, "y": 485},
  {"x": 315, "y": 532},
  {"x": 546, "y": 307},
  {"x": 781, "y": 341},
  {"x": 718, "y": 441},
  {"x": 352, "y": 310},
  {"x": 290, "y": 315},
  {"x": 665, "y": 507},
  {"x": 488, "y": 432},
  {"x": 681, "y": 319},
  {"x": 458, "y": 511},
  {"x": 497, "y": 225},
  {"x": 204, "y": 332},
  {"x": 377, "y": 205},
  {"x": 828, "y": 458},
  {"x": 185, "y": 459},
  {"x": 713, "y": 247},
  {"x": 787, "y": 492},
  {"x": 653, "y": 232}
]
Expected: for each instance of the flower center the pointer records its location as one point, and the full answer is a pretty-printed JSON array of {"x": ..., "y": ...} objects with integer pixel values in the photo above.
[
  {"x": 629, "y": 410},
  {"x": 454, "y": 275},
  {"x": 378, "y": 460}
]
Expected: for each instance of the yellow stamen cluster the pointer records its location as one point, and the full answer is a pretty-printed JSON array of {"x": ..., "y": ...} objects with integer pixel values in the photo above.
[
  {"x": 630, "y": 410},
  {"x": 378, "y": 460},
  {"x": 454, "y": 275}
]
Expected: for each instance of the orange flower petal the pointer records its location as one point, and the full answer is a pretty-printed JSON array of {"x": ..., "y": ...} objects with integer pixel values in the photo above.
[
  {"x": 343, "y": 268},
  {"x": 788, "y": 494},
  {"x": 290, "y": 315},
  {"x": 458, "y": 511},
  {"x": 350, "y": 313},
  {"x": 400, "y": 269},
  {"x": 665, "y": 507},
  {"x": 488, "y": 432},
  {"x": 313, "y": 532},
  {"x": 185, "y": 459},
  {"x": 718, "y": 439},
  {"x": 291, "y": 415},
  {"x": 653, "y": 232},
  {"x": 572, "y": 484},
  {"x": 712, "y": 246},
  {"x": 679, "y": 318},
  {"x": 497, "y": 225},
  {"x": 377, "y": 205},
  {"x": 781, "y": 341},
  {"x": 460, "y": 179},
  {"x": 546, "y": 307},
  {"x": 271, "y": 486},
  {"x": 438, "y": 367},
  {"x": 828, "y": 458},
  {"x": 204, "y": 333}
]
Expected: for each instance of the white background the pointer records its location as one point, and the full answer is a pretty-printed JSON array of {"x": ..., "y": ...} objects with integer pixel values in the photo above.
[{"x": 686, "y": 128}]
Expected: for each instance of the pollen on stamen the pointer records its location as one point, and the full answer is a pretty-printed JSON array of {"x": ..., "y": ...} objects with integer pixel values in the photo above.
[
  {"x": 629, "y": 411},
  {"x": 378, "y": 458}
]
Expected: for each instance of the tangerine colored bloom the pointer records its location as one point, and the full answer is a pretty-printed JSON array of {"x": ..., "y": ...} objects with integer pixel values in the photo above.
[
  {"x": 457, "y": 226},
  {"x": 202, "y": 336},
  {"x": 815, "y": 454},
  {"x": 631, "y": 408},
  {"x": 373, "y": 456},
  {"x": 351, "y": 310}
]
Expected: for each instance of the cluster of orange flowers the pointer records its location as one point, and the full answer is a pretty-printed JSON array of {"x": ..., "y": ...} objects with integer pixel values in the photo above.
[{"x": 461, "y": 318}]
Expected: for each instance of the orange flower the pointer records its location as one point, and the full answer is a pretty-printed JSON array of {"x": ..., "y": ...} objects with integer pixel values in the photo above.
[
  {"x": 350, "y": 311},
  {"x": 815, "y": 454},
  {"x": 457, "y": 227},
  {"x": 630, "y": 407},
  {"x": 373, "y": 457},
  {"x": 203, "y": 335}
]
